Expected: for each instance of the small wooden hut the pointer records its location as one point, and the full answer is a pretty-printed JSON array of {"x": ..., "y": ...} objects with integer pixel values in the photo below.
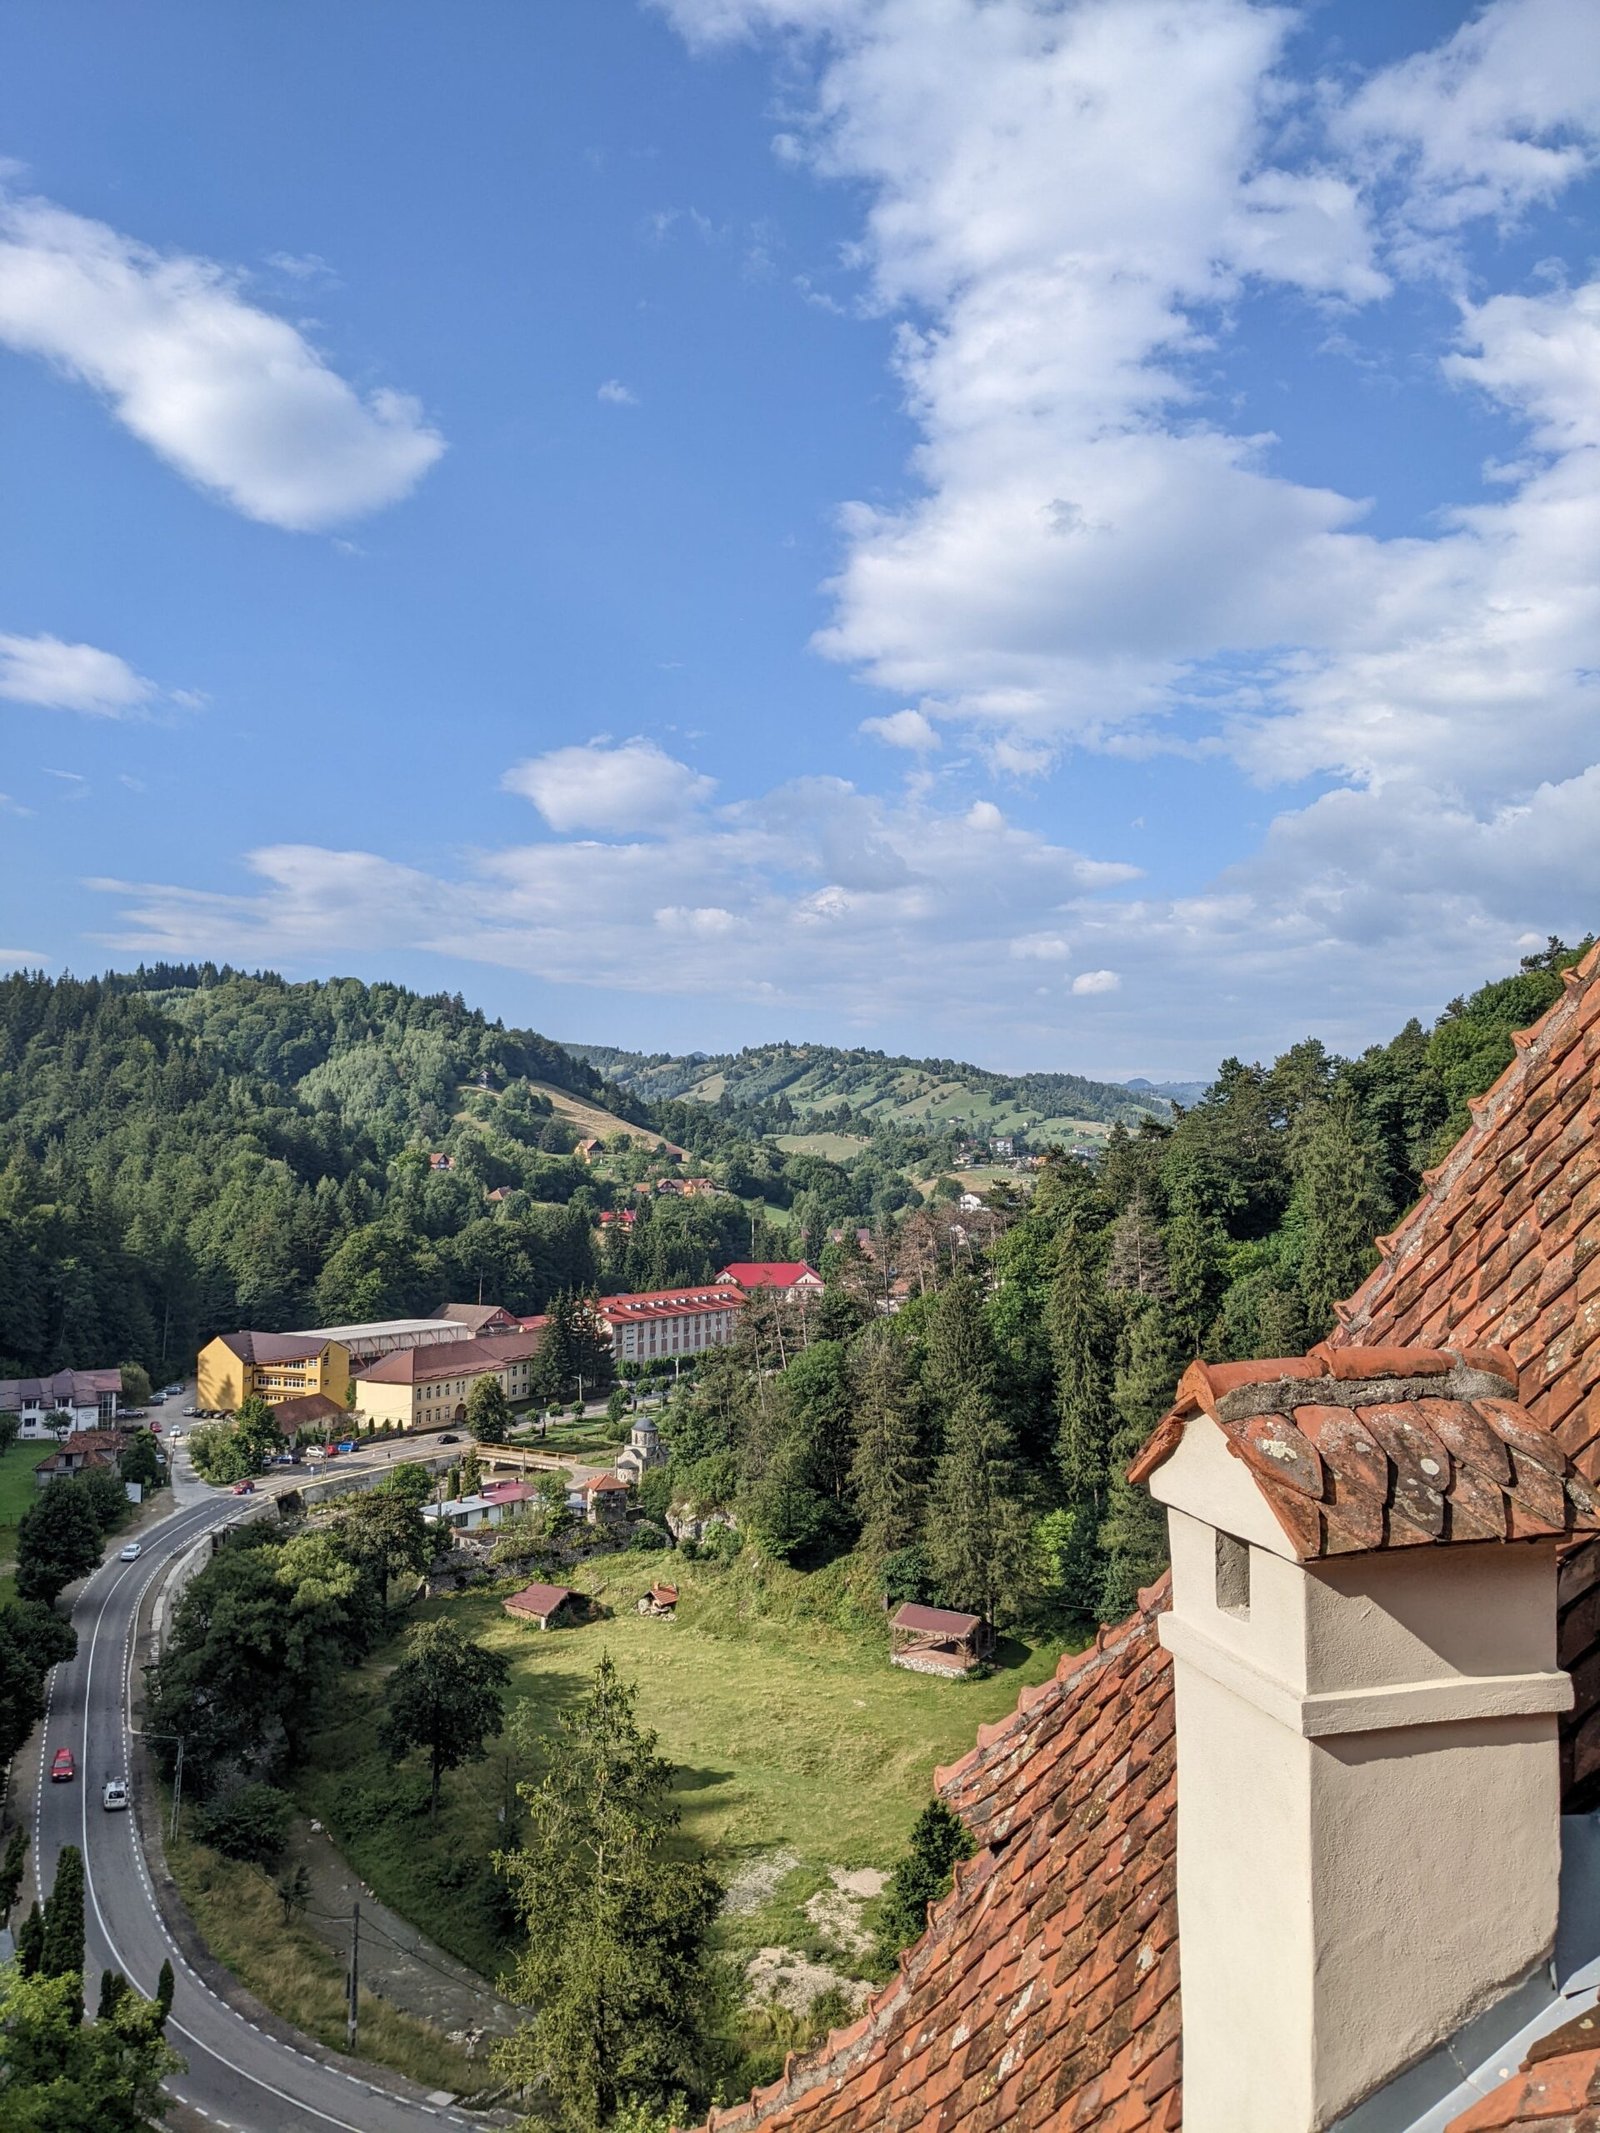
[
  {"x": 540, "y": 1604},
  {"x": 937, "y": 1640}
]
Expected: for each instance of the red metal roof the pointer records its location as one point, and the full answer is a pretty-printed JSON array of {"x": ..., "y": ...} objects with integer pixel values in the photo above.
[
  {"x": 538, "y": 1599},
  {"x": 768, "y": 1273}
]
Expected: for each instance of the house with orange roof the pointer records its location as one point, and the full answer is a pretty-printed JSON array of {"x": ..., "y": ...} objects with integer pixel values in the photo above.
[{"x": 1285, "y": 1851}]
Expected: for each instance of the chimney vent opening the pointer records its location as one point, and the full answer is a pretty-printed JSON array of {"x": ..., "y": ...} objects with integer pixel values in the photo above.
[{"x": 1233, "y": 1576}]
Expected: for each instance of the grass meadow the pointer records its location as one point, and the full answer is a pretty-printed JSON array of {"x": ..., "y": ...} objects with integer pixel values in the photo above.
[{"x": 795, "y": 1742}]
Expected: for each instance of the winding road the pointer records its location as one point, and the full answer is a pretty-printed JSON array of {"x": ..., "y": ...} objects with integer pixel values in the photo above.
[{"x": 239, "y": 2075}]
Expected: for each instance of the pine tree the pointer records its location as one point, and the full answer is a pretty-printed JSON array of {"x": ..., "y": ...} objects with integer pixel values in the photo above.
[
  {"x": 63, "y": 1917},
  {"x": 30, "y": 1941},
  {"x": 11, "y": 1871},
  {"x": 489, "y": 1413},
  {"x": 938, "y": 1839},
  {"x": 1338, "y": 1194},
  {"x": 1133, "y": 1534},
  {"x": 1138, "y": 1261},
  {"x": 888, "y": 1477},
  {"x": 1082, "y": 1348},
  {"x": 976, "y": 1535}
]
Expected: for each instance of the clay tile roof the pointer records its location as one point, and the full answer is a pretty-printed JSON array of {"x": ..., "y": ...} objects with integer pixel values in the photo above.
[
  {"x": 1362, "y": 1448},
  {"x": 1557, "y": 2087},
  {"x": 1044, "y": 1993},
  {"x": 1504, "y": 1246}
]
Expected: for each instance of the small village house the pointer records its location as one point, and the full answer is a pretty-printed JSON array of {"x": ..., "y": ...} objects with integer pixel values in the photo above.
[
  {"x": 81, "y": 1453},
  {"x": 310, "y": 1418},
  {"x": 660, "y": 1602},
  {"x": 478, "y": 1318},
  {"x": 602, "y": 1500}
]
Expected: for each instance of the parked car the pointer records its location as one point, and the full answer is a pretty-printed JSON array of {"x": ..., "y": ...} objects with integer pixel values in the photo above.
[
  {"x": 63, "y": 1768},
  {"x": 449, "y": 1437},
  {"x": 330, "y": 1451},
  {"x": 191, "y": 1410},
  {"x": 314, "y": 1452},
  {"x": 158, "y": 1399},
  {"x": 284, "y": 1459},
  {"x": 132, "y": 1552},
  {"x": 175, "y": 1391},
  {"x": 347, "y": 1444},
  {"x": 115, "y": 1795},
  {"x": 243, "y": 1488},
  {"x": 176, "y": 1437}
]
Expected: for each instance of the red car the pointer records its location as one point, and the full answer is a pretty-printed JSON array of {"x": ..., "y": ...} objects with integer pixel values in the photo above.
[
  {"x": 63, "y": 1770},
  {"x": 244, "y": 1488}
]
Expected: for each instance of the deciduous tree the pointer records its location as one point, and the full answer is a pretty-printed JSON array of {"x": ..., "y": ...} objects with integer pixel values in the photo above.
[{"x": 447, "y": 1695}]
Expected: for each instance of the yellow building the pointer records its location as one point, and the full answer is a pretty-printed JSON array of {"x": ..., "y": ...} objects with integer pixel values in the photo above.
[
  {"x": 274, "y": 1366},
  {"x": 428, "y": 1388}
]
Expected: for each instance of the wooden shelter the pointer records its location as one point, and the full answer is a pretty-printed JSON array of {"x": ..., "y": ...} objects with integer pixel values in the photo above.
[
  {"x": 661, "y": 1601},
  {"x": 937, "y": 1640},
  {"x": 540, "y": 1604}
]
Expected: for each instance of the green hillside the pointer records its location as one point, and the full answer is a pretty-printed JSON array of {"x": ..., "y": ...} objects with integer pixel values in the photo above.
[{"x": 878, "y": 1089}]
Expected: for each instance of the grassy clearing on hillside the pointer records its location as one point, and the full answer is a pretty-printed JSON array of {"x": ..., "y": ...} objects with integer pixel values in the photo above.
[
  {"x": 771, "y": 1693},
  {"x": 17, "y": 1489},
  {"x": 835, "y": 1147},
  {"x": 287, "y": 1967}
]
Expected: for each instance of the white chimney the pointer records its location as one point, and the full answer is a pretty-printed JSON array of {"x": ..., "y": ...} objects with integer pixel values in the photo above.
[{"x": 1363, "y": 1630}]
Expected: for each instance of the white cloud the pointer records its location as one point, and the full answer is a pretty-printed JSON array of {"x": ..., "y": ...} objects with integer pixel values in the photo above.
[
  {"x": 22, "y": 958},
  {"x": 234, "y": 398},
  {"x": 1096, "y": 981},
  {"x": 903, "y": 729},
  {"x": 9, "y": 806},
  {"x": 70, "y": 677},
  {"x": 1504, "y": 113},
  {"x": 633, "y": 786},
  {"x": 615, "y": 394}
]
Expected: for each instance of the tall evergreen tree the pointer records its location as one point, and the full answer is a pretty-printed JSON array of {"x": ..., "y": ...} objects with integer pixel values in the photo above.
[
  {"x": 1133, "y": 1535},
  {"x": 63, "y": 1917},
  {"x": 617, "y": 1919},
  {"x": 977, "y": 1530},
  {"x": 888, "y": 1478},
  {"x": 1339, "y": 1197},
  {"x": 1082, "y": 1347}
]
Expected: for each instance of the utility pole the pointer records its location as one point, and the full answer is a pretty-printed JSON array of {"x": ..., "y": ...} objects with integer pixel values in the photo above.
[
  {"x": 177, "y": 1794},
  {"x": 352, "y": 2017}
]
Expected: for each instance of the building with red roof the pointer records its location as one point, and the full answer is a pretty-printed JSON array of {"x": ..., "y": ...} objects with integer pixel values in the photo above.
[
  {"x": 657, "y": 1324},
  {"x": 790, "y": 1277}
]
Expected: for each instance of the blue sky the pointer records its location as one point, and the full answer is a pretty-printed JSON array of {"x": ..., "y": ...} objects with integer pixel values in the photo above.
[{"x": 1056, "y": 533}]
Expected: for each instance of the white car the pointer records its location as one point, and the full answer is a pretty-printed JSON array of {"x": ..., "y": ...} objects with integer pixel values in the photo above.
[
  {"x": 115, "y": 1795},
  {"x": 132, "y": 1552},
  {"x": 176, "y": 1437}
]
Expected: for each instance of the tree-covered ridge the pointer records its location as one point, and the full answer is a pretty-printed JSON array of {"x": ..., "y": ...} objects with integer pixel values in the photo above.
[
  {"x": 161, "y": 1181},
  {"x": 878, "y": 1088},
  {"x": 972, "y": 1448},
  {"x": 392, "y": 1062}
]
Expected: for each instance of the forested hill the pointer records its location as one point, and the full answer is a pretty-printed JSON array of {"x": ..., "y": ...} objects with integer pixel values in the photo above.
[
  {"x": 804, "y": 1081},
  {"x": 392, "y": 1062},
  {"x": 188, "y": 1149}
]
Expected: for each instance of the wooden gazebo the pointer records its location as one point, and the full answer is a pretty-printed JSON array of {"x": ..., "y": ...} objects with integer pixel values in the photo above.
[{"x": 937, "y": 1640}]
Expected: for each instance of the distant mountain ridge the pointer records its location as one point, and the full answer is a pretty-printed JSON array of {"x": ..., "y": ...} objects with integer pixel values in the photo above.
[
  {"x": 1177, "y": 1092},
  {"x": 878, "y": 1087}
]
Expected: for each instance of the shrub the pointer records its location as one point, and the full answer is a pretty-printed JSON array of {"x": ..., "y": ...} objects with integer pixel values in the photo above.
[
  {"x": 647, "y": 1534},
  {"x": 246, "y": 1821}
]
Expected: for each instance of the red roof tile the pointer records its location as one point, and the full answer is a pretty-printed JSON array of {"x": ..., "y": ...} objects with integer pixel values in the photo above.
[
  {"x": 1045, "y": 1991},
  {"x": 940, "y": 1621},
  {"x": 1557, "y": 2087},
  {"x": 1362, "y": 1448}
]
